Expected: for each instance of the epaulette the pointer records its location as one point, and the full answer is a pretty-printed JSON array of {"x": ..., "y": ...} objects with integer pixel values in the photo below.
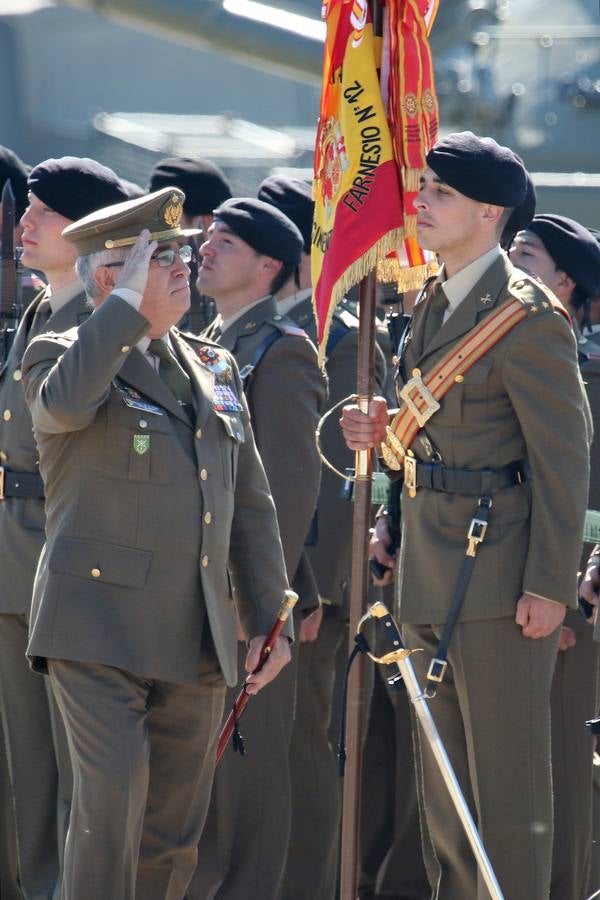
[
  {"x": 286, "y": 326},
  {"x": 66, "y": 338},
  {"x": 531, "y": 291},
  {"x": 345, "y": 317}
]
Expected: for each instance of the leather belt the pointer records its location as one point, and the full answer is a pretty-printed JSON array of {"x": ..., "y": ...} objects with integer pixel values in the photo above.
[
  {"x": 20, "y": 484},
  {"x": 437, "y": 477}
]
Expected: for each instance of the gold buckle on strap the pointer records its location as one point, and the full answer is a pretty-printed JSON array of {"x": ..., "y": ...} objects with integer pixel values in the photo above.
[
  {"x": 410, "y": 474},
  {"x": 415, "y": 385},
  {"x": 475, "y": 535},
  {"x": 1, "y": 482}
]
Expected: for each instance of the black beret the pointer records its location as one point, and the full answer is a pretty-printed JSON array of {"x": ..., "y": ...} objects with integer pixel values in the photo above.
[
  {"x": 479, "y": 168},
  {"x": 521, "y": 215},
  {"x": 294, "y": 198},
  {"x": 14, "y": 170},
  {"x": 264, "y": 227},
  {"x": 75, "y": 187},
  {"x": 572, "y": 247},
  {"x": 204, "y": 184},
  {"x": 133, "y": 190}
]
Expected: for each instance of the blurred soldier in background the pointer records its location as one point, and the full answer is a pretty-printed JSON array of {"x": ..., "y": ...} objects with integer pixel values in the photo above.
[
  {"x": 205, "y": 187},
  {"x": 251, "y": 251},
  {"x": 566, "y": 257},
  {"x": 60, "y": 191}
]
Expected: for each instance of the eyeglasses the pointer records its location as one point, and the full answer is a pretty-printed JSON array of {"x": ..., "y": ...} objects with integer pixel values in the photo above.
[{"x": 164, "y": 258}]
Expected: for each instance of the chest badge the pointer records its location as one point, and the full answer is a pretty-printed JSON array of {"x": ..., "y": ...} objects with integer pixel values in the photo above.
[
  {"x": 217, "y": 364},
  {"x": 141, "y": 443}
]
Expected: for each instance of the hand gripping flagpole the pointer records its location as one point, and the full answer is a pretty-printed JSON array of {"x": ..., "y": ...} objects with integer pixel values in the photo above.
[{"x": 400, "y": 655}]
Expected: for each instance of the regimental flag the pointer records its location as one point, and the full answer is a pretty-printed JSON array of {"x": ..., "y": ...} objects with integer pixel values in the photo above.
[{"x": 360, "y": 167}]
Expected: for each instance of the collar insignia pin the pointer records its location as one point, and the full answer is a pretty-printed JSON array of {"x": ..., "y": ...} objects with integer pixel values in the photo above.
[{"x": 486, "y": 300}]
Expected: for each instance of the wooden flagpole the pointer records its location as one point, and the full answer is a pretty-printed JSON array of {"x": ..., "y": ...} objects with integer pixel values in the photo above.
[
  {"x": 365, "y": 377},
  {"x": 365, "y": 382}
]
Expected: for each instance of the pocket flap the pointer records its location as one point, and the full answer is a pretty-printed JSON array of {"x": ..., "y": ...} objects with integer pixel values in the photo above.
[
  {"x": 100, "y": 562},
  {"x": 233, "y": 426}
]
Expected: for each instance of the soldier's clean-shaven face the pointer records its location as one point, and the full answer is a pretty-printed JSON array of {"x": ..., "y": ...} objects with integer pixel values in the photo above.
[
  {"x": 230, "y": 266},
  {"x": 44, "y": 248},
  {"x": 528, "y": 253},
  {"x": 446, "y": 219}
]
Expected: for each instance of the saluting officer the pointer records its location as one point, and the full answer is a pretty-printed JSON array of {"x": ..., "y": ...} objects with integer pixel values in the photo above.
[
  {"x": 566, "y": 257},
  {"x": 495, "y": 491},
  {"x": 153, "y": 487},
  {"x": 251, "y": 250},
  {"x": 60, "y": 191}
]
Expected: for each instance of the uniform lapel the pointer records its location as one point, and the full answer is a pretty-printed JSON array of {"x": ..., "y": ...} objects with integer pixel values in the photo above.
[
  {"x": 139, "y": 374},
  {"x": 77, "y": 308},
  {"x": 203, "y": 380},
  {"x": 482, "y": 298},
  {"x": 248, "y": 323},
  {"x": 20, "y": 343}
]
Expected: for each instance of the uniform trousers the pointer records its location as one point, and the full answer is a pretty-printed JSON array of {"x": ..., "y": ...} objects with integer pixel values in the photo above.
[
  {"x": 38, "y": 768},
  {"x": 243, "y": 849},
  {"x": 143, "y": 761},
  {"x": 493, "y": 715},
  {"x": 391, "y": 860},
  {"x": 311, "y": 870},
  {"x": 574, "y": 699}
]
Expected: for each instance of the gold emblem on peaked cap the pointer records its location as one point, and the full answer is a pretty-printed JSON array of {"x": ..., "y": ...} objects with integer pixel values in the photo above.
[{"x": 173, "y": 211}]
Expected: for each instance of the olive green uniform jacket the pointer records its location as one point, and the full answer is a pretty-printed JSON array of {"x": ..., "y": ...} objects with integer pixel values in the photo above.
[
  {"x": 144, "y": 509},
  {"x": 22, "y": 518},
  {"x": 523, "y": 400},
  {"x": 287, "y": 393}
]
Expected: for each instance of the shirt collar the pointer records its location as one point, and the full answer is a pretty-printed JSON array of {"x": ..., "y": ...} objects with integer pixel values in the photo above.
[
  {"x": 292, "y": 300},
  {"x": 462, "y": 283},
  {"x": 61, "y": 297}
]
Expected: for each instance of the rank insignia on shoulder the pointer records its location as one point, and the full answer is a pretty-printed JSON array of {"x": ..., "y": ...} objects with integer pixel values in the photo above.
[
  {"x": 141, "y": 443},
  {"x": 225, "y": 398},
  {"x": 293, "y": 330},
  {"x": 212, "y": 359}
]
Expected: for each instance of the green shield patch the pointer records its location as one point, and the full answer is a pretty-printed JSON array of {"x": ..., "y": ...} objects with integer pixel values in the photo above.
[{"x": 141, "y": 443}]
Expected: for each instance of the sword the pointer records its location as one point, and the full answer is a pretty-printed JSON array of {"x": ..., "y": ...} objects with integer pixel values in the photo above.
[
  {"x": 239, "y": 706},
  {"x": 399, "y": 655}
]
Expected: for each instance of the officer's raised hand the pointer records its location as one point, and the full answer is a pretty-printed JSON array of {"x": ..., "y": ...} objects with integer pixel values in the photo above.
[
  {"x": 364, "y": 431},
  {"x": 134, "y": 273},
  {"x": 278, "y": 658}
]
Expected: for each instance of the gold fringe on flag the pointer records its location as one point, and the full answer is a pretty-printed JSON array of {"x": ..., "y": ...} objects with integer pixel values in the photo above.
[{"x": 355, "y": 273}]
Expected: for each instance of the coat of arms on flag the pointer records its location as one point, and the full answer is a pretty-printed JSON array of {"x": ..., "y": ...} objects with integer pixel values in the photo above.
[{"x": 378, "y": 119}]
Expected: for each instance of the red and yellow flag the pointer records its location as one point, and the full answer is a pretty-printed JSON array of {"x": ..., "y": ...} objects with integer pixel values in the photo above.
[{"x": 369, "y": 151}]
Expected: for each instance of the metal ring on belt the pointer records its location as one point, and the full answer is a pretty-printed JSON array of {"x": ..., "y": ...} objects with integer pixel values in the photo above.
[{"x": 442, "y": 478}]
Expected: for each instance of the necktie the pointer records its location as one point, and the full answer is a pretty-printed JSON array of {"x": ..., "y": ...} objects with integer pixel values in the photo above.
[
  {"x": 436, "y": 307},
  {"x": 39, "y": 320},
  {"x": 171, "y": 372}
]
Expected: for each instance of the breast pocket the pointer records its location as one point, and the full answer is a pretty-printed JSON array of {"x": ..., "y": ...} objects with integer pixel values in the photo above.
[
  {"x": 466, "y": 401},
  {"x": 138, "y": 443},
  {"x": 230, "y": 446}
]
